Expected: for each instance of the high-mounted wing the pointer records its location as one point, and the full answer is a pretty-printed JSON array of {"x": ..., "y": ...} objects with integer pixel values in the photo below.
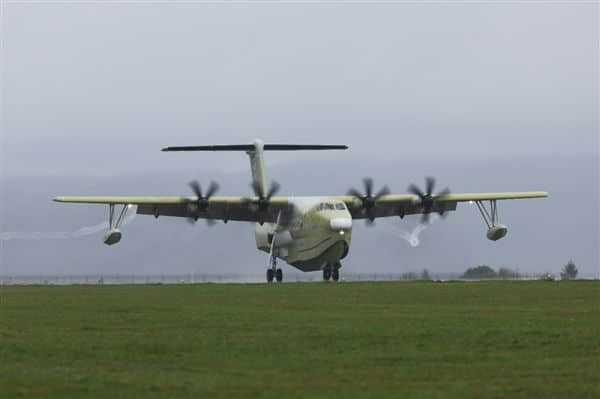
[
  {"x": 410, "y": 204},
  {"x": 371, "y": 204},
  {"x": 217, "y": 208}
]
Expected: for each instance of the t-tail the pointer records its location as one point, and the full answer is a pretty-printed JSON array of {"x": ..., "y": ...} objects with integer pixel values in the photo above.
[{"x": 255, "y": 151}]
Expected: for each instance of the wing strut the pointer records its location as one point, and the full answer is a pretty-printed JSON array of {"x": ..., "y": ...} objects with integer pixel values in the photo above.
[
  {"x": 113, "y": 235},
  {"x": 111, "y": 216},
  {"x": 496, "y": 230},
  {"x": 490, "y": 217}
]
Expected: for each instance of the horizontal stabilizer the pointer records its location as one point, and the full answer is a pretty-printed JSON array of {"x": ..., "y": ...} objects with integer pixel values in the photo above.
[{"x": 251, "y": 147}]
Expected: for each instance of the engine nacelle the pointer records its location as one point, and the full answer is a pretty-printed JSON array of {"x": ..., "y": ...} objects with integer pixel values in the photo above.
[
  {"x": 497, "y": 232},
  {"x": 264, "y": 237},
  {"x": 262, "y": 234},
  {"x": 112, "y": 236}
]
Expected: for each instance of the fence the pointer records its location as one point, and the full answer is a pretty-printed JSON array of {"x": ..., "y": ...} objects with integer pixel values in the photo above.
[{"x": 196, "y": 278}]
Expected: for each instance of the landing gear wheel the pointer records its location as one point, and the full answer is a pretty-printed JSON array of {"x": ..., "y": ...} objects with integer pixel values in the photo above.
[
  {"x": 327, "y": 273},
  {"x": 270, "y": 275},
  {"x": 279, "y": 275},
  {"x": 335, "y": 274}
]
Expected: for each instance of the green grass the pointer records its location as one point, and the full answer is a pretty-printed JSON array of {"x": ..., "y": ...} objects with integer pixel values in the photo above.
[{"x": 356, "y": 340}]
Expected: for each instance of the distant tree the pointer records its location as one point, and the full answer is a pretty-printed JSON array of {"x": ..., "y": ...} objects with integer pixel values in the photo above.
[
  {"x": 506, "y": 273},
  {"x": 480, "y": 272},
  {"x": 425, "y": 275},
  {"x": 569, "y": 271}
]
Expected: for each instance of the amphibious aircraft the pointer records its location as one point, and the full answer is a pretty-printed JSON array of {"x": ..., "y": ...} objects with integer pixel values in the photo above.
[{"x": 309, "y": 233}]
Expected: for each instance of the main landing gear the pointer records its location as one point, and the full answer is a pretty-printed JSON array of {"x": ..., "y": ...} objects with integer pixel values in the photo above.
[
  {"x": 273, "y": 272},
  {"x": 332, "y": 272},
  {"x": 277, "y": 275}
]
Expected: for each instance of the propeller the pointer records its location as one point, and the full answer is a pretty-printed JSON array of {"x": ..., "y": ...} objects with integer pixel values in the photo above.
[
  {"x": 368, "y": 200},
  {"x": 264, "y": 201},
  {"x": 202, "y": 201},
  {"x": 428, "y": 199}
]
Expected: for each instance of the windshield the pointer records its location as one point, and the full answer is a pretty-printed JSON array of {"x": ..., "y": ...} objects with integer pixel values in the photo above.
[{"x": 326, "y": 206}]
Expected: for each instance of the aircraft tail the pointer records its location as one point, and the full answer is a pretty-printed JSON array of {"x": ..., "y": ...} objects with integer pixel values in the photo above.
[
  {"x": 252, "y": 147},
  {"x": 255, "y": 152}
]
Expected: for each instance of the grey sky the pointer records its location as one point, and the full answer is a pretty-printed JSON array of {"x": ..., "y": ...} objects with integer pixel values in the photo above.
[{"x": 93, "y": 90}]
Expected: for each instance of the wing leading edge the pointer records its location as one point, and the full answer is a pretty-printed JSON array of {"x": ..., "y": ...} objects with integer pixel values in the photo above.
[
  {"x": 242, "y": 208},
  {"x": 410, "y": 204},
  {"x": 219, "y": 208},
  {"x": 129, "y": 200}
]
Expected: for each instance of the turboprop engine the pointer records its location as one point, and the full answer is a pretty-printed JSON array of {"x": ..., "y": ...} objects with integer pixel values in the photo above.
[
  {"x": 265, "y": 235},
  {"x": 497, "y": 232}
]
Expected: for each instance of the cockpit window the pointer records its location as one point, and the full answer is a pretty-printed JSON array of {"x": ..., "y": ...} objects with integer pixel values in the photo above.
[
  {"x": 324, "y": 206},
  {"x": 340, "y": 206}
]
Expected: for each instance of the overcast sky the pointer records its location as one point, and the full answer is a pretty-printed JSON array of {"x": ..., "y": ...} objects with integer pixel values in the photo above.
[{"x": 91, "y": 92}]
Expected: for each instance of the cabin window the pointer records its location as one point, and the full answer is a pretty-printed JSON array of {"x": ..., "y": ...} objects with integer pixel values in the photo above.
[{"x": 340, "y": 206}]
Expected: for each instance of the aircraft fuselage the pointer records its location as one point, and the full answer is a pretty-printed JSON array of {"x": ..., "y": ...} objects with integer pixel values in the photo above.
[{"x": 318, "y": 235}]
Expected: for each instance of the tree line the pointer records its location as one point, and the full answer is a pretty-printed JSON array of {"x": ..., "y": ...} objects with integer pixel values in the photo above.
[{"x": 569, "y": 271}]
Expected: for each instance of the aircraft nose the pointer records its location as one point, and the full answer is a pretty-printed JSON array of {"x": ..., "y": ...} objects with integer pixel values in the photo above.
[{"x": 341, "y": 224}]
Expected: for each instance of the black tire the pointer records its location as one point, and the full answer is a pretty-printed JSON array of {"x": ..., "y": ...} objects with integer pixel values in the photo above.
[
  {"x": 326, "y": 273},
  {"x": 335, "y": 274},
  {"x": 279, "y": 275},
  {"x": 270, "y": 275}
]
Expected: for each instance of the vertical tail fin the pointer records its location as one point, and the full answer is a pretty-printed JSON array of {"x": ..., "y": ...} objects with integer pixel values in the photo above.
[
  {"x": 255, "y": 151},
  {"x": 257, "y": 167}
]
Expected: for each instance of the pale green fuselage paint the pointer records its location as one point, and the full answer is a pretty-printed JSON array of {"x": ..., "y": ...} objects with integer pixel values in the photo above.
[{"x": 313, "y": 242}]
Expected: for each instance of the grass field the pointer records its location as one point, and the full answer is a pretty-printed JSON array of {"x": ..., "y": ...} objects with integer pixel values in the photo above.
[{"x": 496, "y": 339}]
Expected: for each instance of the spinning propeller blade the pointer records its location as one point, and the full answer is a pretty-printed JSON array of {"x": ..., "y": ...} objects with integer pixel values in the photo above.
[
  {"x": 202, "y": 201},
  {"x": 428, "y": 199},
  {"x": 263, "y": 202},
  {"x": 368, "y": 201}
]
